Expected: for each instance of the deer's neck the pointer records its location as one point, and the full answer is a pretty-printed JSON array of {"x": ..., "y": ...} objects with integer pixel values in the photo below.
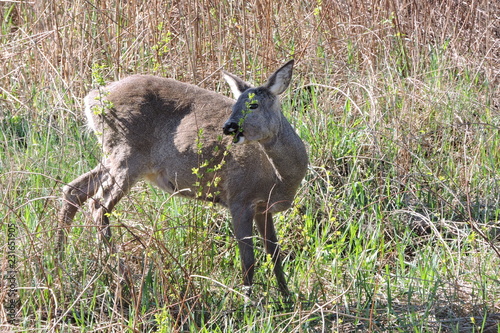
[{"x": 288, "y": 155}]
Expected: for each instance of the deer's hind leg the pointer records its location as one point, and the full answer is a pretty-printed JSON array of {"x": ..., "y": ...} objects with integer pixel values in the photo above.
[
  {"x": 74, "y": 196},
  {"x": 116, "y": 182},
  {"x": 106, "y": 184}
]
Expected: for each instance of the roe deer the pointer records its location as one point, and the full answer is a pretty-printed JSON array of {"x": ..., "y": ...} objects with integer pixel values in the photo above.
[{"x": 161, "y": 130}]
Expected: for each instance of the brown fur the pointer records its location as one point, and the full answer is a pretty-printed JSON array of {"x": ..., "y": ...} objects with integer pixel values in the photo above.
[{"x": 160, "y": 129}]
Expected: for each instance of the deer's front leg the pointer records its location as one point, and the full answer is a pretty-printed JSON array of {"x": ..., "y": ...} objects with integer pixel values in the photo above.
[
  {"x": 266, "y": 229},
  {"x": 242, "y": 225}
]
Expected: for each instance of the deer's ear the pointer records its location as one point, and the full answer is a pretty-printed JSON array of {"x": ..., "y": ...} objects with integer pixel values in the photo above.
[
  {"x": 279, "y": 81},
  {"x": 236, "y": 84}
]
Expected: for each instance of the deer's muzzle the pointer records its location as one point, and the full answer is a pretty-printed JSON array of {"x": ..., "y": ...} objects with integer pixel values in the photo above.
[{"x": 232, "y": 128}]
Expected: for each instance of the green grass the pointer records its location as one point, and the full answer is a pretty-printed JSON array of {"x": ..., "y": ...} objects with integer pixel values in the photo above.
[{"x": 395, "y": 228}]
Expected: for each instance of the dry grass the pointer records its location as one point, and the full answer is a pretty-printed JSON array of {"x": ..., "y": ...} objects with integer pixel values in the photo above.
[{"x": 191, "y": 40}]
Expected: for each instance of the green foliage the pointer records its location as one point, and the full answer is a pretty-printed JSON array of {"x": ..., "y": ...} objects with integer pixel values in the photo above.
[{"x": 97, "y": 75}]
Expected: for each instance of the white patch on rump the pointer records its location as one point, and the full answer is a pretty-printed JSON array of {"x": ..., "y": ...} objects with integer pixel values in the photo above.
[{"x": 89, "y": 113}]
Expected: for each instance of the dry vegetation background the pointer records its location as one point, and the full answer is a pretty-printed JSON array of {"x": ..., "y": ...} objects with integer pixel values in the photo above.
[
  {"x": 398, "y": 101},
  {"x": 57, "y": 42}
]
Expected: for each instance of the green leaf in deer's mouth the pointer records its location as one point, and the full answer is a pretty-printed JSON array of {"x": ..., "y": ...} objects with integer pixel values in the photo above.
[{"x": 238, "y": 137}]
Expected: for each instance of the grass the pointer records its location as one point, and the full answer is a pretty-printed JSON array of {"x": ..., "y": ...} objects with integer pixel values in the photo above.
[{"x": 395, "y": 228}]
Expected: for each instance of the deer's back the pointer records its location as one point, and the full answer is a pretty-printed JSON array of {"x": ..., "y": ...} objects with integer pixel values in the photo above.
[
  {"x": 173, "y": 128},
  {"x": 146, "y": 110}
]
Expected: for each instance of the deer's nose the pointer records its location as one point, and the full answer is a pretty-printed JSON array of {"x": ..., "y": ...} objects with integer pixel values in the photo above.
[{"x": 230, "y": 127}]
